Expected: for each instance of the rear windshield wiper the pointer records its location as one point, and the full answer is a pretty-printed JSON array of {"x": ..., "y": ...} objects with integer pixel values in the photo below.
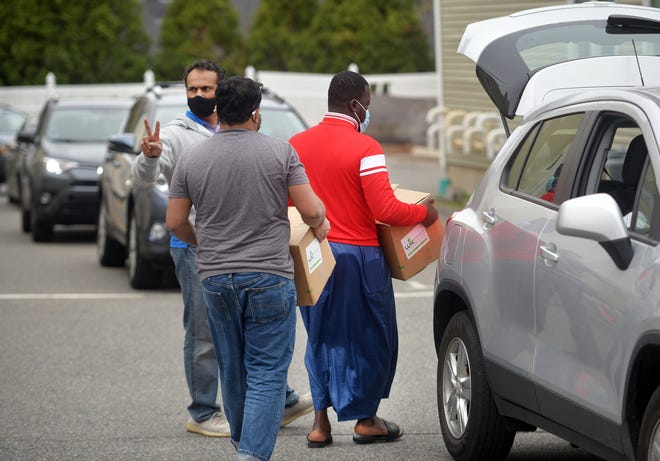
[{"x": 622, "y": 24}]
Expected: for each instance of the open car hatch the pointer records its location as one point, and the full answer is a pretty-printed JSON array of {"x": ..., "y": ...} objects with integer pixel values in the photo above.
[{"x": 537, "y": 55}]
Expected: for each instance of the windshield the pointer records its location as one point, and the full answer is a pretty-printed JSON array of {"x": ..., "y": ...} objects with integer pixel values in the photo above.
[
  {"x": 166, "y": 113},
  {"x": 549, "y": 45},
  {"x": 280, "y": 123},
  {"x": 508, "y": 62},
  {"x": 277, "y": 122},
  {"x": 11, "y": 122},
  {"x": 83, "y": 125}
]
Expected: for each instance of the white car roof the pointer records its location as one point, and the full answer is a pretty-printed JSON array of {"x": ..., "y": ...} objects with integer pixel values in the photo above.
[{"x": 533, "y": 56}]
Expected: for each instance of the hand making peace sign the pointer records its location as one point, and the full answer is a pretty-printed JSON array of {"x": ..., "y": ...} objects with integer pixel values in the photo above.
[{"x": 151, "y": 145}]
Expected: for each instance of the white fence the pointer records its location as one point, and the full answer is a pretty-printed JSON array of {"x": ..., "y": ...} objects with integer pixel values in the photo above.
[{"x": 307, "y": 92}]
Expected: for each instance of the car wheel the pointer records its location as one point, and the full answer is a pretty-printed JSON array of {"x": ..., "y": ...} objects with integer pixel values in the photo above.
[
  {"x": 15, "y": 199},
  {"x": 110, "y": 252},
  {"x": 26, "y": 219},
  {"x": 472, "y": 428},
  {"x": 42, "y": 228},
  {"x": 649, "y": 436},
  {"x": 141, "y": 273}
]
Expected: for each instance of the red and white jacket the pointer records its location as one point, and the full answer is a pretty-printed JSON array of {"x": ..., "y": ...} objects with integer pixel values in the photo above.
[{"x": 347, "y": 171}]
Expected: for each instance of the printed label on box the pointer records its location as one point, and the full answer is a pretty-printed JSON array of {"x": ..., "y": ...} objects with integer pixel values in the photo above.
[
  {"x": 414, "y": 240},
  {"x": 314, "y": 257}
]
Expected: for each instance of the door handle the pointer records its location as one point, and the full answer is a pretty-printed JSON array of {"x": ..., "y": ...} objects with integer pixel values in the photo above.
[
  {"x": 489, "y": 216},
  {"x": 549, "y": 252}
]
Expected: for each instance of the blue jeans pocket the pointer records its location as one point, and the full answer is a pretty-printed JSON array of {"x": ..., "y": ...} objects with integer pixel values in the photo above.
[
  {"x": 216, "y": 306},
  {"x": 269, "y": 303}
]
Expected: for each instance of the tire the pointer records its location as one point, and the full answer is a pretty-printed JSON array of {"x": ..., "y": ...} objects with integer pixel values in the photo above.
[
  {"x": 141, "y": 273},
  {"x": 42, "y": 228},
  {"x": 472, "y": 428},
  {"x": 26, "y": 218},
  {"x": 109, "y": 251},
  {"x": 649, "y": 436},
  {"x": 16, "y": 200}
]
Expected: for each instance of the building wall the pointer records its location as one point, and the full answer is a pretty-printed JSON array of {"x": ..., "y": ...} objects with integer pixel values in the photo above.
[{"x": 461, "y": 87}]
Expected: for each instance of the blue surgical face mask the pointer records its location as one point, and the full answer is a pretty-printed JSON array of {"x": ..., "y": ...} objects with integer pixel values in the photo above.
[{"x": 364, "y": 123}]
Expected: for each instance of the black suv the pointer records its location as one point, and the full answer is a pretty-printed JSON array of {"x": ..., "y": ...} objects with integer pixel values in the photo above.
[
  {"x": 131, "y": 223},
  {"x": 62, "y": 161}
]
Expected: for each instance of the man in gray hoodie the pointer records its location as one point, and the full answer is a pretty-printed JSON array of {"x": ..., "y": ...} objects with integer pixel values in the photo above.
[{"x": 160, "y": 152}]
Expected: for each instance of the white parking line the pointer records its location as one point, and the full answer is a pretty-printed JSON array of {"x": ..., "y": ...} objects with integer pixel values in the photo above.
[
  {"x": 416, "y": 285},
  {"x": 413, "y": 294},
  {"x": 27, "y": 296},
  {"x": 38, "y": 296}
]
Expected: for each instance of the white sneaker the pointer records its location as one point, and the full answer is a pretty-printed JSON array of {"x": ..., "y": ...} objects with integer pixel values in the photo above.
[
  {"x": 304, "y": 405},
  {"x": 216, "y": 426}
]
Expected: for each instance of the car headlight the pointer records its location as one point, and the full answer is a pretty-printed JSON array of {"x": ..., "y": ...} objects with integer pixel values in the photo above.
[
  {"x": 157, "y": 231},
  {"x": 56, "y": 166}
]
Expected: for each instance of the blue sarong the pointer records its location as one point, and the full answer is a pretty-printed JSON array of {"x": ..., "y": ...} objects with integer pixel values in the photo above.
[{"x": 352, "y": 343}]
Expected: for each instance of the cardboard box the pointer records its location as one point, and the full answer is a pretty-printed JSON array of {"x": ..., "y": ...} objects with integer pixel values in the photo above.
[
  {"x": 409, "y": 249},
  {"x": 312, "y": 260}
]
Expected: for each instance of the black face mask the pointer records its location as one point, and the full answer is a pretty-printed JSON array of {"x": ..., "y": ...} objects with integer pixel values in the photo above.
[{"x": 201, "y": 106}]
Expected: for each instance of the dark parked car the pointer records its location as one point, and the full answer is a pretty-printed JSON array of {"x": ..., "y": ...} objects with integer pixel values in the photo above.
[
  {"x": 63, "y": 161},
  {"x": 546, "y": 310},
  {"x": 15, "y": 161},
  {"x": 11, "y": 122},
  {"x": 131, "y": 222}
]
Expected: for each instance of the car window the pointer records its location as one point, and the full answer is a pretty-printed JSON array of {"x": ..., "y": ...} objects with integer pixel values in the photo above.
[
  {"x": 619, "y": 164},
  {"x": 11, "y": 122},
  {"x": 537, "y": 167},
  {"x": 84, "y": 124},
  {"x": 543, "y": 46},
  {"x": 136, "y": 115},
  {"x": 164, "y": 114},
  {"x": 645, "y": 219}
]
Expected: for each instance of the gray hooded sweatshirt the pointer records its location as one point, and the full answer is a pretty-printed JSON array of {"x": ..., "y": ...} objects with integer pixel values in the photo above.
[{"x": 177, "y": 136}]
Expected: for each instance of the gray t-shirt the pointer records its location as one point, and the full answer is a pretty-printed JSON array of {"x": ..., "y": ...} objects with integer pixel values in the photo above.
[{"x": 238, "y": 182}]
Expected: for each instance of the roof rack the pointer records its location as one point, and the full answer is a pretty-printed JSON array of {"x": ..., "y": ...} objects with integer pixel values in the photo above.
[{"x": 158, "y": 87}]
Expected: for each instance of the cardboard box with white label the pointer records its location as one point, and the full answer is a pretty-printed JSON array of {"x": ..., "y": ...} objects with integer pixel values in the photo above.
[
  {"x": 313, "y": 260},
  {"x": 409, "y": 249}
]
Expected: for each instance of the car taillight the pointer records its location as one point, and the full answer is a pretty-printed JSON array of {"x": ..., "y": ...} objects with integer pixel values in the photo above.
[{"x": 451, "y": 216}]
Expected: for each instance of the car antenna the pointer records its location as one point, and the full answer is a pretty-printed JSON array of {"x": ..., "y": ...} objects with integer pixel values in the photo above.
[{"x": 639, "y": 68}]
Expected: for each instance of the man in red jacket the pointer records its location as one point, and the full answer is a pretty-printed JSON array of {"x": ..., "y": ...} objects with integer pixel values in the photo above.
[{"x": 352, "y": 333}]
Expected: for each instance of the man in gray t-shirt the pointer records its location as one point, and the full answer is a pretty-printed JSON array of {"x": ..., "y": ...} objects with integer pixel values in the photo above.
[
  {"x": 240, "y": 182},
  {"x": 240, "y": 179}
]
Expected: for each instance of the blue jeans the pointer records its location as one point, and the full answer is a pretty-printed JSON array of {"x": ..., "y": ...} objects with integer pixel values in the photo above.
[
  {"x": 253, "y": 322},
  {"x": 199, "y": 361}
]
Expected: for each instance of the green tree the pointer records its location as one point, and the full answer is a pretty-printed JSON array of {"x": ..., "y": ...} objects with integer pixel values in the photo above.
[
  {"x": 381, "y": 36},
  {"x": 196, "y": 30},
  {"x": 275, "y": 32},
  {"x": 80, "y": 42}
]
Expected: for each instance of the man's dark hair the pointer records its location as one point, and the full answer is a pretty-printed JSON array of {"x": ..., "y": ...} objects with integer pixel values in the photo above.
[
  {"x": 344, "y": 86},
  {"x": 236, "y": 99},
  {"x": 204, "y": 64}
]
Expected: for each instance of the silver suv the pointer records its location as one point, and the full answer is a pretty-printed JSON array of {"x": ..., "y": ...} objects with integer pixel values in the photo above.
[{"x": 547, "y": 292}]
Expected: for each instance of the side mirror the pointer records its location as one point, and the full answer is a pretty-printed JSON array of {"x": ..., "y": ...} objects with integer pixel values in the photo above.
[
  {"x": 26, "y": 137},
  {"x": 597, "y": 217},
  {"x": 122, "y": 142}
]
